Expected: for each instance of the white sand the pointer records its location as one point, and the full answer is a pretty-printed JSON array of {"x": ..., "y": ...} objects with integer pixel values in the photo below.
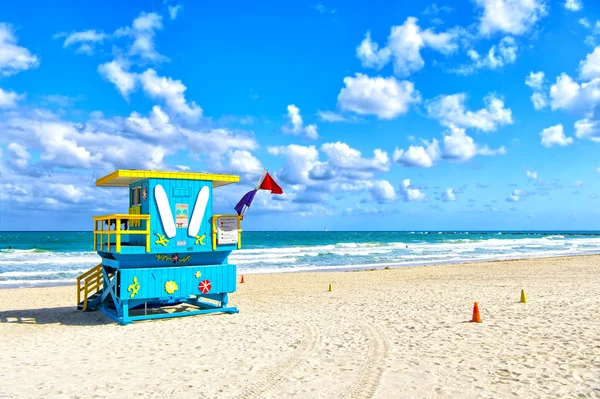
[{"x": 399, "y": 333}]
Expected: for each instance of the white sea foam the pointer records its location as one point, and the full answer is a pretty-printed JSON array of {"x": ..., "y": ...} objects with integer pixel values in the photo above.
[{"x": 34, "y": 267}]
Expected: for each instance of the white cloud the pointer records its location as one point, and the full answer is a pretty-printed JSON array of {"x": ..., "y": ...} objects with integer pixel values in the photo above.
[
  {"x": 590, "y": 67},
  {"x": 449, "y": 195},
  {"x": 404, "y": 45},
  {"x": 297, "y": 126},
  {"x": 243, "y": 162},
  {"x": 409, "y": 193},
  {"x": 171, "y": 91},
  {"x": 539, "y": 100},
  {"x": 573, "y": 5},
  {"x": 300, "y": 160},
  {"x": 555, "y": 136},
  {"x": 115, "y": 73},
  {"x": 456, "y": 145},
  {"x": 570, "y": 95},
  {"x": 514, "y": 17},
  {"x": 535, "y": 80},
  {"x": 215, "y": 142},
  {"x": 418, "y": 156},
  {"x": 498, "y": 56},
  {"x": 14, "y": 58},
  {"x": 588, "y": 129},
  {"x": 143, "y": 31},
  {"x": 341, "y": 155},
  {"x": 85, "y": 40},
  {"x": 174, "y": 10},
  {"x": 19, "y": 155},
  {"x": 532, "y": 174},
  {"x": 370, "y": 55},
  {"x": 585, "y": 23},
  {"x": 8, "y": 99},
  {"x": 154, "y": 127},
  {"x": 383, "y": 192},
  {"x": 329, "y": 116},
  {"x": 450, "y": 111},
  {"x": 516, "y": 195},
  {"x": 384, "y": 97}
]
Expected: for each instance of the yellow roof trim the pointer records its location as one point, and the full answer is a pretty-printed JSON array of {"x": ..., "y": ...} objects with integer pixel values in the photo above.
[{"x": 124, "y": 177}]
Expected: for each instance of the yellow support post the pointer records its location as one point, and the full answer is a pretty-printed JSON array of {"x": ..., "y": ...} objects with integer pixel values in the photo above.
[
  {"x": 118, "y": 234},
  {"x": 239, "y": 232},
  {"x": 214, "y": 233},
  {"x": 147, "y": 235}
]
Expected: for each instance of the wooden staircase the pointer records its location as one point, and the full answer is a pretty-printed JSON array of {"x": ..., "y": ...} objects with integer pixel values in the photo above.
[{"x": 89, "y": 287}]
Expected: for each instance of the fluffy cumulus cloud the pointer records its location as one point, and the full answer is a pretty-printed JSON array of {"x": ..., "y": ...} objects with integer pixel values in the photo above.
[
  {"x": 504, "y": 53},
  {"x": 555, "y": 136},
  {"x": 84, "y": 41},
  {"x": 143, "y": 31},
  {"x": 386, "y": 98},
  {"x": 449, "y": 195},
  {"x": 14, "y": 58},
  {"x": 156, "y": 126},
  {"x": 588, "y": 129},
  {"x": 343, "y": 171},
  {"x": 383, "y": 192},
  {"x": 573, "y": 5},
  {"x": 451, "y": 111},
  {"x": 171, "y": 91},
  {"x": 532, "y": 174},
  {"x": 404, "y": 46},
  {"x": 570, "y": 95},
  {"x": 115, "y": 73},
  {"x": 410, "y": 193},
  {"x": 516, "y": 196},
  {"x": 9, "y": 99},
  {"x": 514, "y": 17},
  {"x": 456, "y": 145},
  {"x": 423, "y": 156},
  {"x": 590, "y": 67},
  {"x": 296, "y": 125},
  {"x": 536, "y": 80}
]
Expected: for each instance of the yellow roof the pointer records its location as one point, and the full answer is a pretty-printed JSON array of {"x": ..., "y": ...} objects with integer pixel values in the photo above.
[{"x": 124, "y": 177}]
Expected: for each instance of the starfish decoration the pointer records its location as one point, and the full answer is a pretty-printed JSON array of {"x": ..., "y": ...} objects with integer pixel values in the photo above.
[
  {"x": 161, "y": 240},
  {"x": 144, "y": 193},
  {"x": 200, "y": 239},
  {"x": 175, "y": 258}
]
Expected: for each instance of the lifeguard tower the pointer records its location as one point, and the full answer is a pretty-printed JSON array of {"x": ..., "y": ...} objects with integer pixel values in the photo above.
[{"x": 169, "y": 249}]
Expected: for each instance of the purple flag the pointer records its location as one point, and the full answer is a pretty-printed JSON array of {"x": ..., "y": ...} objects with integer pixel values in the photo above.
[{"x": 246, "y": 200}]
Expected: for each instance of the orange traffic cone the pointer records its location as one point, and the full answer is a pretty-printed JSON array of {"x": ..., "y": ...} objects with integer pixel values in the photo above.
[
  {"x": 476, "y": 316},
  {"x": 242, "y": 282}
]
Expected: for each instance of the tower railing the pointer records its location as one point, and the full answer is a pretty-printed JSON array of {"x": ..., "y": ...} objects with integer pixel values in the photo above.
[{"x": 112, "y": 236}]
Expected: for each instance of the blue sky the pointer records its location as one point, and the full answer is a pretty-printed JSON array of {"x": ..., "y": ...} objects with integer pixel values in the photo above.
[{"x": 457, "y": 115}]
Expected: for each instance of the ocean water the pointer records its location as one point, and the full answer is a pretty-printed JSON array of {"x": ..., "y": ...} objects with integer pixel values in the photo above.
[{"x": 48, "y": 258}]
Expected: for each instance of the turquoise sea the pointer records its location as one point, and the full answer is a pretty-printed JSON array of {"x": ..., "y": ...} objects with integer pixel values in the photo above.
[{"x": 48, "y": 258}]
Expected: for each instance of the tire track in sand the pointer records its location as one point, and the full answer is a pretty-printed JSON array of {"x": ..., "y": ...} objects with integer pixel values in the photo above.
[
  {"x": 280, "y": 372},
  {"x": 369, "y": 378}
]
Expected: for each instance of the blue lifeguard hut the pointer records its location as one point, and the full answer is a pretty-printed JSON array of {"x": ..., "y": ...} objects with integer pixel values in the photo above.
[{"x": 169, "y": 249}]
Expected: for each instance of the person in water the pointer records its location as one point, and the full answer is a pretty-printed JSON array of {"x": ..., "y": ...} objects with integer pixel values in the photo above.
[{"x": 9, "y": 247}]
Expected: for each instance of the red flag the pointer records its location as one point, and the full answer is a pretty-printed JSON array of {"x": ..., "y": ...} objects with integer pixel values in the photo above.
[{"x": 269, "y": 184}]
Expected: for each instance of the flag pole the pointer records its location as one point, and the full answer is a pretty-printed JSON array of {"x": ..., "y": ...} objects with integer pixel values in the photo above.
[{"x": 260, "y": 179}]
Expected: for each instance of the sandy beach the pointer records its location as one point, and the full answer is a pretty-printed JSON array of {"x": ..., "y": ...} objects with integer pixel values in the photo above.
[{"x": 398, "y": 333}]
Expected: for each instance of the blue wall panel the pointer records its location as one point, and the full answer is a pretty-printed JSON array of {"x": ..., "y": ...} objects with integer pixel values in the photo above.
[{"x": 152, "y": 281}]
